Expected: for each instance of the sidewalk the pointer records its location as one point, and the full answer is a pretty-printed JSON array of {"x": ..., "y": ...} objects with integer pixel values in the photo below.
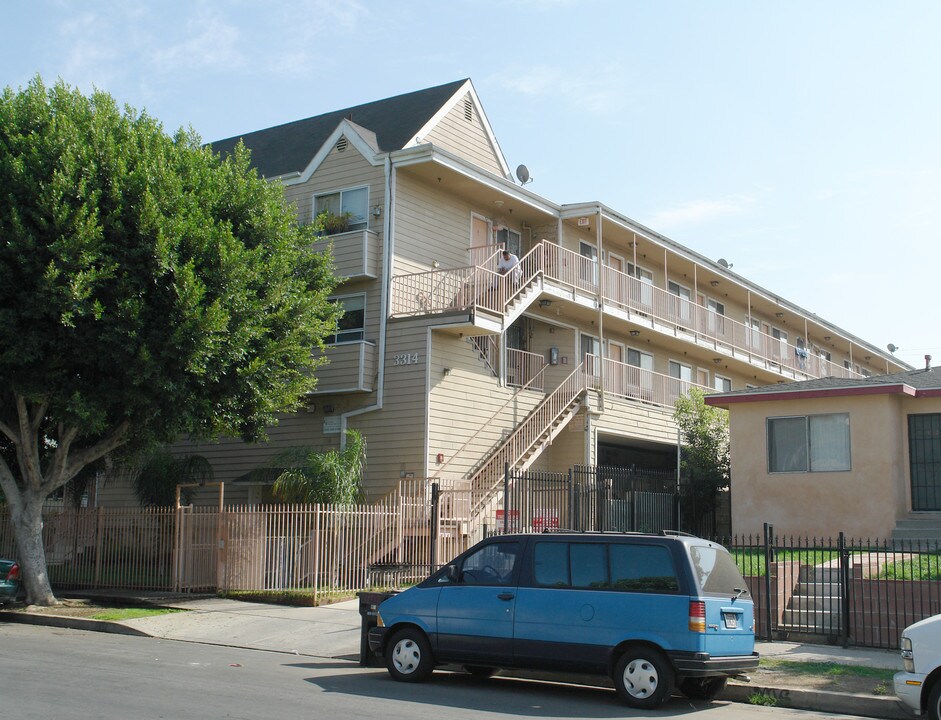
[{"x": 333, "y": 631}]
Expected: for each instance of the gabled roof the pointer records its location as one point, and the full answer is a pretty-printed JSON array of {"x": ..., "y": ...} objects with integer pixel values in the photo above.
[
  {"x": 916, "y": 383},
  {"x": 395, "y": 121}
]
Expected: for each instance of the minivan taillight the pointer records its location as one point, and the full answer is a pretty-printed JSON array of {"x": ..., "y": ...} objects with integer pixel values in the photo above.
[{"x": 697, "y": 616}]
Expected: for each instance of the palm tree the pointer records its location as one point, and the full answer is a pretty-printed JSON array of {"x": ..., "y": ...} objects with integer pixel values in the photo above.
[
  {"x": 159, "y": 474},
  {"x": 331, "y": 476}
]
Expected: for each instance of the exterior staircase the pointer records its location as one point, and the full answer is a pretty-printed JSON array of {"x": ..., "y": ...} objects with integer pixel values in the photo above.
[
  {"x": 815, "y": 607},
  {"x": 918, "y": 526},
  {"x": 529, "y": 439}
]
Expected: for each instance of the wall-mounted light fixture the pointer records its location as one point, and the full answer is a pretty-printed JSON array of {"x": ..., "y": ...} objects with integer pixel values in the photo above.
[
  {"x": 447, "y": 371},
  {"x": 717, "y": 361},
  {"x": 714, "y": 283},
  {"x": 377, "y": 210},
  {"x": 827, "y": 338},
  {"x": 545, "y": 303},
  {"x": 328, "y": 408},
  {"x": 635, "y": 333},
  {"x": 779, "y": 315}
]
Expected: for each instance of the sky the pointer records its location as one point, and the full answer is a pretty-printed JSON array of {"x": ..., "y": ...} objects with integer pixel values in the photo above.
[{"x": 799, "y": 140}]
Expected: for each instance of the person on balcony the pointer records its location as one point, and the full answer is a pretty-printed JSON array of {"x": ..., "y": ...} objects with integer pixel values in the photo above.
[{"x": 509, "y": 264}]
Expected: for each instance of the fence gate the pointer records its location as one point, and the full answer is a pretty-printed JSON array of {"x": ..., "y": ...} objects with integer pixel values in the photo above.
[{"x": 198, "y": 549}]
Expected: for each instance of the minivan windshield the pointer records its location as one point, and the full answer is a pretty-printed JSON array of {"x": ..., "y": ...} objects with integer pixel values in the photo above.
[{"x": 716, "y": 571}]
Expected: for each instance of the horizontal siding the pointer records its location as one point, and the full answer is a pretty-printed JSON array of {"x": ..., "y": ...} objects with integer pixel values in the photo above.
[
  {"x": 467, "y": 403},
  {"x": 467, "y": 139}
]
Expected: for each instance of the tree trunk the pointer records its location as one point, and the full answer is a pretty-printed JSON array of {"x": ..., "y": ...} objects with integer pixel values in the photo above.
[{"x": 27, "y": 530}]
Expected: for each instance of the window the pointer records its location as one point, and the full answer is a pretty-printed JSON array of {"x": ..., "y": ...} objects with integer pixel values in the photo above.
[
  {"x": 353, "y": 201},
  {"x": 722, "y": 384},
  {"x": 509, "y": 239},
  {"x": 351, "y": 327},
  {"x": 642, "y": 568},
  {"x": 614, "y": 566},
  {"x": 491, "y": 565},
  {"x": 681, "y": 371},
  {"x": 715, "y": 318},
  {"x": 815, "y": 443},
  {"x": 681, "y": 309}
]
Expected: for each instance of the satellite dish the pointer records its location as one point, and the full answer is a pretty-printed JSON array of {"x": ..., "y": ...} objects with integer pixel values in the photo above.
[
  {"x": 522, "y": 174},
  {"x": 724, "y": 263},
  {"x": 891, "y": 348}
]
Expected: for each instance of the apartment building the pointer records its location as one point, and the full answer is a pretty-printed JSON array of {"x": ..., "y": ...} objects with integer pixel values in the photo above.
[{"x": 452, "y": 370}]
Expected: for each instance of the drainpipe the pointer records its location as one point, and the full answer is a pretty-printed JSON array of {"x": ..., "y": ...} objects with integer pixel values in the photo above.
[
  {"x": 602, "y": 350},
  {"x": 389, "y": 239}
]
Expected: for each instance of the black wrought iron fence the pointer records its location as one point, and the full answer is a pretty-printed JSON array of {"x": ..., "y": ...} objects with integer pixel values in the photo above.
[{"x": 860, "y": 592}]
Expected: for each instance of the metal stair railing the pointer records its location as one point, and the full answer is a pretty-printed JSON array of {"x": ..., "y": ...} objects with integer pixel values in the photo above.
[{"x": 527, "y": 435}]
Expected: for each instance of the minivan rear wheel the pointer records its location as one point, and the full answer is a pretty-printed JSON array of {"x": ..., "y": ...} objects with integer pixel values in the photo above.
[
  {"x": 408, "y": 656},
  {"x": 643, "y": 677},
  {"x": 703, "y": 688}
]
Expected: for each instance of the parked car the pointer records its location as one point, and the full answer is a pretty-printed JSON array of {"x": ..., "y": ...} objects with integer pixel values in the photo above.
[
  {"x": 654, "y": 612},
  {"x": 9, "y": 580},
  {"x": 919, "y": 685}
]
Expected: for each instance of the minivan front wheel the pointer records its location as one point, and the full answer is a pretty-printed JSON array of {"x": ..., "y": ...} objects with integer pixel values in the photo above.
[
  {"x": 408, "y": 656},
  {"x": 643, "y": 677}
]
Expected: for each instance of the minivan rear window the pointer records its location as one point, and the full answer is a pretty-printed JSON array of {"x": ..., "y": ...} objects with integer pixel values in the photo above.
[
  {"x": 605, "y": 566},
  {"x": 716, "y": 571}
]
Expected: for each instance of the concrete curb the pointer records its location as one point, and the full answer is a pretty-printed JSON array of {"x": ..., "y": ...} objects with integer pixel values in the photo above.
[
  {"x": 886, "y": 708},
  {"x": 73, "y": 623}
]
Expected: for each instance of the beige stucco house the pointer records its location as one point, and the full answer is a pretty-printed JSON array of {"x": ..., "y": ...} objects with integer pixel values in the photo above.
[
  {"x": 451, "y": 369},
  {"x": 857, "y": 455}
]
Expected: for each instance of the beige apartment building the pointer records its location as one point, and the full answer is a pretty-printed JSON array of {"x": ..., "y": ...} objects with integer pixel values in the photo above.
[{"x": 450, "y": 369}]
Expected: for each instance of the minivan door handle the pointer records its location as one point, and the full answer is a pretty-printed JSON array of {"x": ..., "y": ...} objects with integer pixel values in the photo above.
[{"x": 505, "y": 596}]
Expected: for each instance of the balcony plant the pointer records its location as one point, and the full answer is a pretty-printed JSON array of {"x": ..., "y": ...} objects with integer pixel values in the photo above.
[{"x": 328, "y": 223}]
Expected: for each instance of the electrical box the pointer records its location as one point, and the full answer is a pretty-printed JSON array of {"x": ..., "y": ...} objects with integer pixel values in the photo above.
[{"x": 553, "y": 356}]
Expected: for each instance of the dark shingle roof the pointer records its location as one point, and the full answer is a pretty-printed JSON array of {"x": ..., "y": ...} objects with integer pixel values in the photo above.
[
  {"x": 288, "y": 148},
  {"x": 924, "y": 379}
]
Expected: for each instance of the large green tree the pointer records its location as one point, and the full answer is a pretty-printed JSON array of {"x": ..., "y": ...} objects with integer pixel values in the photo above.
[{"x": 148, "y": 289}]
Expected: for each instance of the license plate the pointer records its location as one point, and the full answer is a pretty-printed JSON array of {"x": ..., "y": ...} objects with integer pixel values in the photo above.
[{"x": 731, "y": 620}]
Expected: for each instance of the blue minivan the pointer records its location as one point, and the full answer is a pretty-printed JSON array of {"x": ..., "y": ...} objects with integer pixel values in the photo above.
[{"x": 654, "y": 612}]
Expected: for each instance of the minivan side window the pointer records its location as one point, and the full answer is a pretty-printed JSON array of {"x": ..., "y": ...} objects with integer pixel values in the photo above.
[
  {"x": 613, "y": 566},
  {"x": 589, "y": 565},
  {"x": 642, "y": 568},
  {"x": 491, "y": 565}
]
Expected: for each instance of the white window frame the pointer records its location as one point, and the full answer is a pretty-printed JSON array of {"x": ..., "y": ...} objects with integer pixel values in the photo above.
[
  {"x": 683, "y": 309},
  {"x": 349, "y": 333},
  {"x": 716, "y": 378},
  {"x": 355, "y": 224}
]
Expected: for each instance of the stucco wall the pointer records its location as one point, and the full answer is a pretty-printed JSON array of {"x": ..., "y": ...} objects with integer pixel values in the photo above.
[{"x": 863, "y": 502}]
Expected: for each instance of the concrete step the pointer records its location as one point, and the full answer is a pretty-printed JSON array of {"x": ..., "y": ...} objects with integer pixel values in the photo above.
[
  {"x": 819, "y": 574},
  {"x": 828, "y": 603},
  {"x": 810, "y": 621}
]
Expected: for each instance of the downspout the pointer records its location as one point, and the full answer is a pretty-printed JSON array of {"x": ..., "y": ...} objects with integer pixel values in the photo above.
[
  {"x": 603, "y": 352},
  {"x": 389, "y": 240}
]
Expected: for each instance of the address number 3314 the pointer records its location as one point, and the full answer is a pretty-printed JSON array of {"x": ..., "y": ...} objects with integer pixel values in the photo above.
[{"x": 405, "y": 359}]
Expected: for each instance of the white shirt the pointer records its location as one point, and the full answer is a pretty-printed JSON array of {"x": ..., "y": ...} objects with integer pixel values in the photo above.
[{"x": 506, "y": 264}]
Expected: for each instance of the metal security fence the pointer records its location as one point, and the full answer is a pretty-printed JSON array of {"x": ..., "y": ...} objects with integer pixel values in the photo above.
[{"x": 860, "y": 592}]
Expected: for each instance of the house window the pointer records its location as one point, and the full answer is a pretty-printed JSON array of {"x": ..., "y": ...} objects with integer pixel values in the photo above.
[
  {"x": 351, "y": 327},
  {"x": 812, "y": 443},
  {"x": 722, "y": 384},
  {"x": 353, "y": 201}
]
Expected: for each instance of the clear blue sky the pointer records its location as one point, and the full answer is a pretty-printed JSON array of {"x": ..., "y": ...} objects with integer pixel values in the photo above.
[{"x": 798, "y": 140}]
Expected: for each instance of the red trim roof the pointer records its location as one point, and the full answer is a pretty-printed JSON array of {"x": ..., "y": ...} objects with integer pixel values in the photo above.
[{"x": 896, "y": 389}]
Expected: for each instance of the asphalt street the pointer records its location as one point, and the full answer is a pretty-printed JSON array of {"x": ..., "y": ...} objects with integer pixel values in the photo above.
[{"x": 49, "y": 673}]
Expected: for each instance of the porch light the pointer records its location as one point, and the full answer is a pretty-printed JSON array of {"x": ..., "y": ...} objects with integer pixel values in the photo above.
[
  {"x": 635, "y": 333},
  {"x": 714, "y": 283},
  {"x": 545, "y": 303}
]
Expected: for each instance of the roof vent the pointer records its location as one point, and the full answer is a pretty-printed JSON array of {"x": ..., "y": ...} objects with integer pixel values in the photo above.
[
  {"x": 468, "y": 109},
  {"x": 342, "y": 143}
]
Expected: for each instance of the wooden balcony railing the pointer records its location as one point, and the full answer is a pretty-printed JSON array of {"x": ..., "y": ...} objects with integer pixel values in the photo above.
[{"x": 439, "y": 291}]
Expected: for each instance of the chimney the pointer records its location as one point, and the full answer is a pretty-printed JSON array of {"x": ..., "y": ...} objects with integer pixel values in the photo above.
[{"x": 927, "y": 362}]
